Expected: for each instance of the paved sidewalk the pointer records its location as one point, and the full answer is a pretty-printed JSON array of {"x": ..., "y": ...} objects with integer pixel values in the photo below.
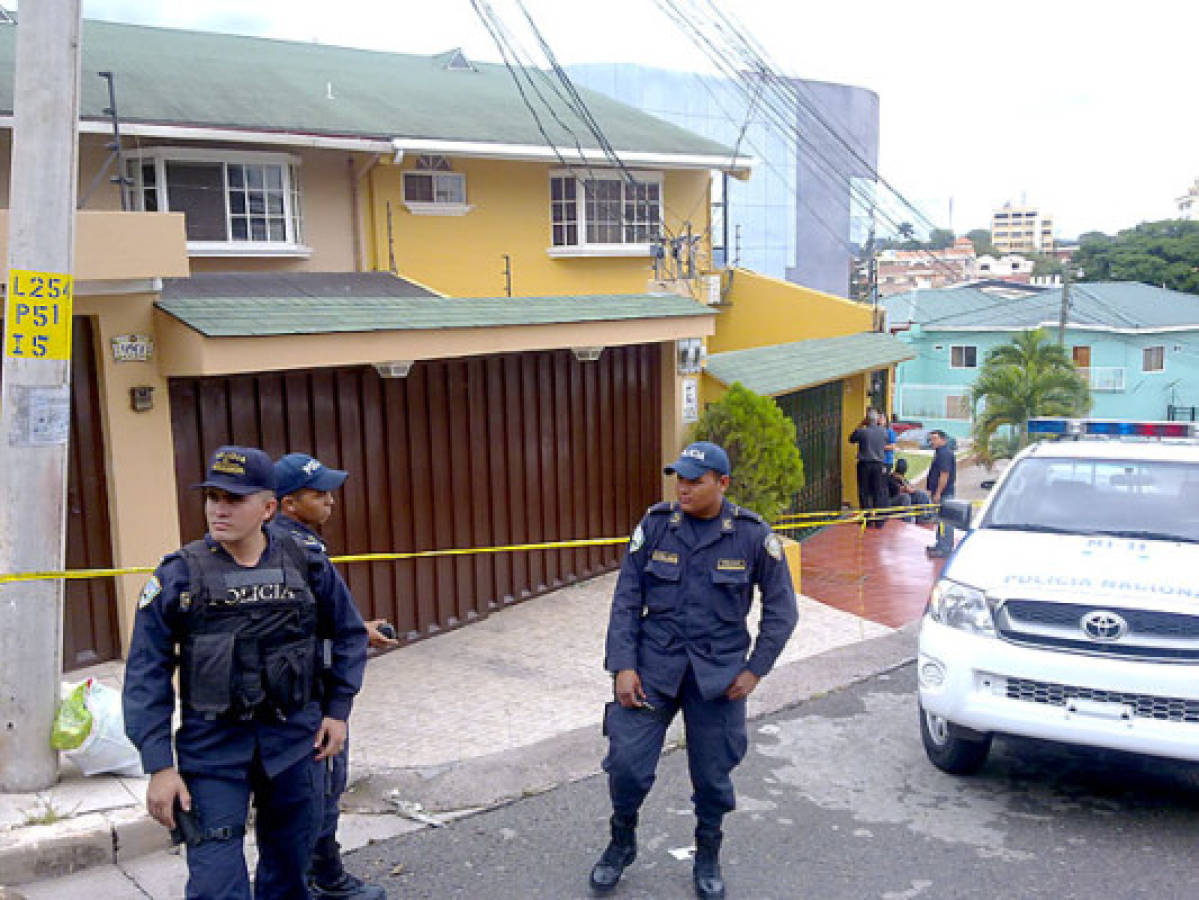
[{"x": 503, "y": 708}]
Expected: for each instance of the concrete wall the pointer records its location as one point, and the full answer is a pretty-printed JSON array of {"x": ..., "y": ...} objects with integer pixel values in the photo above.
[{"x": 761, "y": 311}]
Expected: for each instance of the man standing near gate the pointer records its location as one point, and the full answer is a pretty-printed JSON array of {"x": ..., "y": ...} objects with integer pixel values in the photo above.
[
  {"x": 305, "y": 489},
  {"x": 677, "y": 640}
]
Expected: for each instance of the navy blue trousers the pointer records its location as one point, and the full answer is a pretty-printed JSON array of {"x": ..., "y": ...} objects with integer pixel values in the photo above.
[
  {"x": 326, "y": 857},
  {"x": 716, "y": 743},
  {"x": 289, "y": 810}
]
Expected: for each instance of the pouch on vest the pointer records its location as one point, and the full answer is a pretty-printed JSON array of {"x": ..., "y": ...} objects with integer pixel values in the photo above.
[
  {"x": 288, "y": 670},
  {"x": 209, "y": 664}
]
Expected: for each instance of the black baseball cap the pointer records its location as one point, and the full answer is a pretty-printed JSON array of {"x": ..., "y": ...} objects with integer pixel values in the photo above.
[{"x": 240, "y": 470}]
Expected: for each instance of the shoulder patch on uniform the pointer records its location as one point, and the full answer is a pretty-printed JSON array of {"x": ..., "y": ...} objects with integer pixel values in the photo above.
[
  {"x": 309, "y": 541},
  {"x": 743, "y": 513},
  {"x": 659, "y": 508},
  {"x": 774, "y": 546},
  {"x": 152, "y": 589},
  {"x": 637, "y": 541}
]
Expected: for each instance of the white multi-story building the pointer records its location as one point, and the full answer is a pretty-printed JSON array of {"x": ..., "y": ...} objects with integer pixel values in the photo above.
[{"x": 1021, "y": 229}]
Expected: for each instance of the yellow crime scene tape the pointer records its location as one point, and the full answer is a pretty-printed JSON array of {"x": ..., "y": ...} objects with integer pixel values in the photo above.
[{"x": 804, "y": 520}]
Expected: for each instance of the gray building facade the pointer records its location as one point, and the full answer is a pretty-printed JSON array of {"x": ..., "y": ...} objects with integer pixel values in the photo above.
[{"x": 805, "y": 212}]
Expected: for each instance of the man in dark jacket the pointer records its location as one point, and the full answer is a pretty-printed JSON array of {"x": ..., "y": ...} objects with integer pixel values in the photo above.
[
  {"x": 677, "y": 640},
  {"x": 247, "y": 608},
  {"x": 871, "y": 439}
]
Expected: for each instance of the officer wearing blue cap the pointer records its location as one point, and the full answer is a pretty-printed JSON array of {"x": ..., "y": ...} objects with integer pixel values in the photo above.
[
  {"x": 305, "y": 491},
  {"x": 677, "y": 640},
  {"x": 246, "y": 607}
]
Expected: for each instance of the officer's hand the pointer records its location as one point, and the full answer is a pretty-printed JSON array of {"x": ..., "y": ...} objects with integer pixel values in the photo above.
[
  {"x": 377, "y": 639},
  {"x": 742, "y": 686},
  {"x": 165, "y": 786},
  {"x": 629, "y": 692},
  {"x": 330, "y": 739}
]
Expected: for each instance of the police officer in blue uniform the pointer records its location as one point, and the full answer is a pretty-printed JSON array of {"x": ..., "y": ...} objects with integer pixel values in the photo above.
[
  {"x": 241, "y": 612},
  {"x": 677, "y": 640},
  {"x": 304, "y": 486}
]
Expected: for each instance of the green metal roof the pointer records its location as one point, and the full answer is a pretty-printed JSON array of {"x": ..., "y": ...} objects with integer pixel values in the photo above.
[
  {"x": 1114, "y": 305},
  {"x": 255, "y": 316},
  {"x": 200, "y": 79},
  {"x": 783, "y": 368}
]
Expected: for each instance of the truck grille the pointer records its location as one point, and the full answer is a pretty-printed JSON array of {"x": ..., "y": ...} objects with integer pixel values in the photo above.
[
  {"x": 1145, "y": 706},
  {"x": 1153, "y": 635}
]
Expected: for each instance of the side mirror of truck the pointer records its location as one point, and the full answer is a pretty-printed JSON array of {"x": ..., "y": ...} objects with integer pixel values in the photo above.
[{"x": 957, "y": 513}]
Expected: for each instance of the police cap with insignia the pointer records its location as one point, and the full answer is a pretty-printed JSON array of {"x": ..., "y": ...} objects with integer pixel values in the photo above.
[
  {"x": 240, "y": 470},
  {"x": 698, "y": 458},
  {"x": 299, "y": 470}
]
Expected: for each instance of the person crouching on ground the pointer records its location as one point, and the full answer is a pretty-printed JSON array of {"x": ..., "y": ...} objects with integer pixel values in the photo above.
[{"x": 305, "y": 491}]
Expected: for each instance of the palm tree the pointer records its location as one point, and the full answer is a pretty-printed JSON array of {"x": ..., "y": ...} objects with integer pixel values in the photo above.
[{"x": 1030, "y": 376}]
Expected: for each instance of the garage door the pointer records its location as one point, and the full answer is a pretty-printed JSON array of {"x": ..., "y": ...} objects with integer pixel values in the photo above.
[{"x": 478, "y": 452}]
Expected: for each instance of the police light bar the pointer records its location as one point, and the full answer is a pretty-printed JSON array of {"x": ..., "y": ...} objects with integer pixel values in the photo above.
[{"x": 1110, "y": 428}]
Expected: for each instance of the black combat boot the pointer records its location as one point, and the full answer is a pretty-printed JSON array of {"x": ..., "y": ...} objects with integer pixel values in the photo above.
[
  {"x": 619, "y": 854},
  {"x": 709, "y": 884}
]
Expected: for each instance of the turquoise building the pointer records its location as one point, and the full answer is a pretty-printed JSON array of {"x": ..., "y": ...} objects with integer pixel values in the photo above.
[{"x": 1138, "y": 345}]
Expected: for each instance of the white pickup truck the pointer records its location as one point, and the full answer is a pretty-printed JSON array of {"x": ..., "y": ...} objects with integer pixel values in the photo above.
[{"x": 1070, "y": 610}]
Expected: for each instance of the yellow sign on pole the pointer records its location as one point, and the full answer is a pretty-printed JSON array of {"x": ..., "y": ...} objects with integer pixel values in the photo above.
[{"x": 37, "y": 316}]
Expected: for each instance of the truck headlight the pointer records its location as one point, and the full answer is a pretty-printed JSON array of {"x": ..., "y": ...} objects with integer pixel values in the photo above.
[{"x": 961, "y": 606}]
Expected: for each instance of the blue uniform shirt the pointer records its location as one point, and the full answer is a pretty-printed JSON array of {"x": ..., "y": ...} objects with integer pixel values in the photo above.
[
  {"x": 212, "y": 746},
  {"x": 683, "y": 596},
  {"x": 308, "y": 538}
]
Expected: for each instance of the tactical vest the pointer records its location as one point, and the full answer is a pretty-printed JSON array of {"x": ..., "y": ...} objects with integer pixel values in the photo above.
[{"x": 250, "y": 645}]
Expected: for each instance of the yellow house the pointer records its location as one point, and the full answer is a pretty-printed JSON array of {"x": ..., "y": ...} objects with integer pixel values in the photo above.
[
  {"x": 818, "y": 357},
  {"x": 393, "y": 263}
]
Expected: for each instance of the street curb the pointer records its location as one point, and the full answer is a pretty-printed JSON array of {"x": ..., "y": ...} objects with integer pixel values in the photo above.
[
  {"x": 36, "y": 853},
  {"x": 488, "y": 781}
]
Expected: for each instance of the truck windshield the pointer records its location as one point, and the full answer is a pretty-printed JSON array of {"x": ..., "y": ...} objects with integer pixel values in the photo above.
[{"x": 1126, "y": 498}]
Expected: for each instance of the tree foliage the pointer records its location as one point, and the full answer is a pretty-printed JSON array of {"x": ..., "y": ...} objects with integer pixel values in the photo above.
[
  {"x": 981, "y": 238},
  {"x": 1162, "y": 253},
  {"x": 940, "y": 239},
  {"x": 1029, "y": 376},
  {"x": 760, "y": 440}
]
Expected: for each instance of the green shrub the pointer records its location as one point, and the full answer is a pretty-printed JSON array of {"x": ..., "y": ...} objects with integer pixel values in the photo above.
[{"x": 760, "y": 440}]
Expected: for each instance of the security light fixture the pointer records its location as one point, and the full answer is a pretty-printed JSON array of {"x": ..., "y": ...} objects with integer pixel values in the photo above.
[
  {"x": 587, "y": 354},
  {"x": 690, "y": 356},
  {"x": 396, "y": 368}
]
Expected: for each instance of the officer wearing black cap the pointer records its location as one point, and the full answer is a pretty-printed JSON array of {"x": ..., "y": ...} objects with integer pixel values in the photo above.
[
  {"x": 246, "y": 608},
  {"x": 677, "y": 640},
  {"x": 304, "y": 486}
]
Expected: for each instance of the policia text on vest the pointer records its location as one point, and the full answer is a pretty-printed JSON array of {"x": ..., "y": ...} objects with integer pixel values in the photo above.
[{"x": 246, "y": 606}]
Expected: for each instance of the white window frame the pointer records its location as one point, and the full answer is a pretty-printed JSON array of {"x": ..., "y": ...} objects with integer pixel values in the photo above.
[
  {"x": 1144, "y": 359},
  {"x": 584, "y": 248},
  {"x": 289, "y": 165},
  {"x": 436, "y": 208},
  {"x": 963, "y": 348}
]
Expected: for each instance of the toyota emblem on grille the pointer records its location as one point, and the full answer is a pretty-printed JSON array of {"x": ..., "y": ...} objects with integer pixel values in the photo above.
[{"x": 1103, "y": 625}]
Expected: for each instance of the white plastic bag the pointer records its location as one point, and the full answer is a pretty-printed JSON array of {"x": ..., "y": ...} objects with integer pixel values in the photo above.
[{"x": 106, "y": 748}]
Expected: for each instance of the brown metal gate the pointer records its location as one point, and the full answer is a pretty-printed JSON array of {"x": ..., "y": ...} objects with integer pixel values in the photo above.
[
  {"x": 478, "y": 452},
  {"x": 90, "y": 625}
]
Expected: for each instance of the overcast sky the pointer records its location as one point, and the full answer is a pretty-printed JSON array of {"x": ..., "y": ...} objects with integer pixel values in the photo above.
[{"x": 1083, "y": 107}]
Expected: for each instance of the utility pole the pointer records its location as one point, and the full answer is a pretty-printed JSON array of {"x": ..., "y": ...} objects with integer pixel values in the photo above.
[
  {"x": 1065, "y": 313},
  {"x": 35, "y": 409}
]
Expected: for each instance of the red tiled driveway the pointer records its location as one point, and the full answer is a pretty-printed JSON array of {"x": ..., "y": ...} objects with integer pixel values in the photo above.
[{"x": 879, "y": 574}]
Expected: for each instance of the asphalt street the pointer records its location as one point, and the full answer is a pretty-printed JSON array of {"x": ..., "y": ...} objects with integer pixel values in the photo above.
[{"x": 836, "y": 800}]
